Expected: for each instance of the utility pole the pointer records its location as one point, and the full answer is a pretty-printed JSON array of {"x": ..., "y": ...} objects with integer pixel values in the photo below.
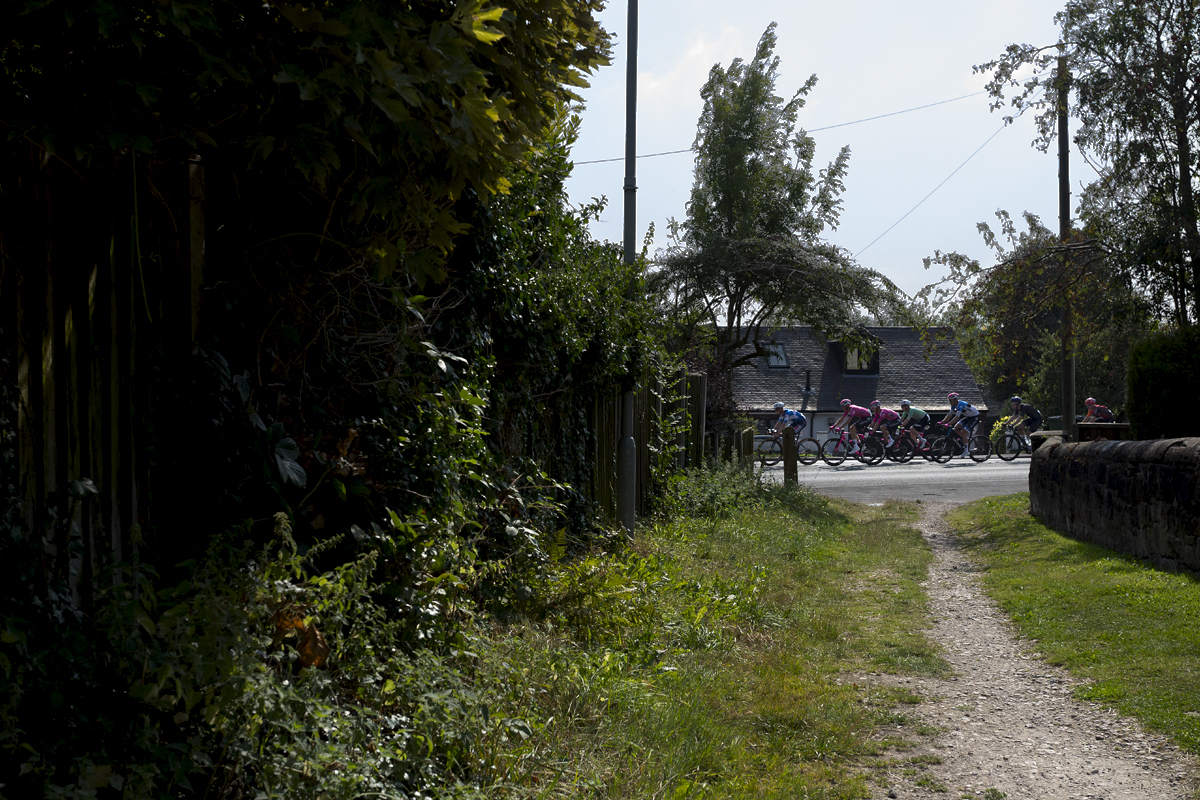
[
  {"x": 1064, "y": 236},
  {"x": 627, "y": 448}
]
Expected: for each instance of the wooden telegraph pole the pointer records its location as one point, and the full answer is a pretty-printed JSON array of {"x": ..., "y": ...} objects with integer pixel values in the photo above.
[
  {"x": 1064, "y": 236},
  {"x": 627, "y": 448}
]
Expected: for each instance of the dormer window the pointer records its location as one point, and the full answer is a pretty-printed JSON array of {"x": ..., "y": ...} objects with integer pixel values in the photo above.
[
  {"x": 855, "y": 361},
  {"x": 776, "y": 356}
]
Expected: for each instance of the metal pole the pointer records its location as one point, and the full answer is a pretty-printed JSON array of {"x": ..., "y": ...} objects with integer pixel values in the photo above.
[
  {"x": 627, "y": 448},
  {"x": 1064, "y": 236}
]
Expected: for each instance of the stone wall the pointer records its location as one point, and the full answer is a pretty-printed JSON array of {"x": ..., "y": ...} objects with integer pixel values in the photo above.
[{"x": 1139, "y": 497}]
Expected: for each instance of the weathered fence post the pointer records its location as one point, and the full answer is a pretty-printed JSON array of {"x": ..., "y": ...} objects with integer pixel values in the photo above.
[
  {"x": 747, "y": 447},
  {"x": 727, "y": 448},
  {"x": 791, "y": 468},
  {"x": 627, "y": 468}
]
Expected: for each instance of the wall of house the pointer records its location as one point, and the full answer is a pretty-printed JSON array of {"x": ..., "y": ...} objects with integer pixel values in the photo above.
[{"x": 1135, "y": 497}]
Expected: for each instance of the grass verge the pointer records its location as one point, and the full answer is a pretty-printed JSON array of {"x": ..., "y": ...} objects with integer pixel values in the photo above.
[
  {"x": 712, "y": 658},
  {"x": 1133, "y": 631}
]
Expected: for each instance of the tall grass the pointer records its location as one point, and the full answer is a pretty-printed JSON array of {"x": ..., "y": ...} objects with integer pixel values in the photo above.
[{"x": 713, "y": 657}]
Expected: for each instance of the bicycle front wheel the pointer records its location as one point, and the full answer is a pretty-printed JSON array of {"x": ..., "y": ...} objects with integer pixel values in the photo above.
[
  {"x": 808, "y": 451},
  {"x": 942, "y": 449},
  {"x": 979, "y": 448},
  {"x": 1007, "y": 447},
  {"x": 770, "y": 451},
  {"x": 872, "y": 451},
  {"x": 904, "y": 451},
  {"x": 833, "y": 452}
]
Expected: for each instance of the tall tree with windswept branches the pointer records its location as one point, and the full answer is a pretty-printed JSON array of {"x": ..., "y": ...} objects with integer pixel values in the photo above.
[{"x": 749, "y": 258}]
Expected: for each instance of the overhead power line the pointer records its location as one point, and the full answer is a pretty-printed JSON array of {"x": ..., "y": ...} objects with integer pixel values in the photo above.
[
  {"x": 926, "y": 197},
  {"x": 814, "y": 130}
]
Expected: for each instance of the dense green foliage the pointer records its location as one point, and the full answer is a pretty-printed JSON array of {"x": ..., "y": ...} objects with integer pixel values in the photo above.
[
  {"x": 385, "y": 423},
  {"x": 383, "y": 113},
  {"x": 1008, "y": 316},
  {"x": 1133, "y": 67},
  {"x": 749, "y": 258},
  {"x": 1163, "y": 368}
]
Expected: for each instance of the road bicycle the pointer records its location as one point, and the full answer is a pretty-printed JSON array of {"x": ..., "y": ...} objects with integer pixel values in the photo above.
[
  {"x": 835, "y": 451},
  {"x": 770, "y": 450},
  {"x": 942, "y": 448},
  {"x": 1008, "y": 444},
  {"x": 901, "y": 449},
  {"x": 938, "y": 446}
]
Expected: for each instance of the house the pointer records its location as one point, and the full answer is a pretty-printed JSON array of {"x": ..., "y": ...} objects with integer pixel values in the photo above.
[{"x": 812, "y": 375}]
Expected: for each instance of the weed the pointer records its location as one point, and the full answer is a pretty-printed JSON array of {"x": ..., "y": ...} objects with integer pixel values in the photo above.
[{"x": 931, "y": 783}]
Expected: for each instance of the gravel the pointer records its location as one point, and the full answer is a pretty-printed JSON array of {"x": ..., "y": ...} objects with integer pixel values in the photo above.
[{"x": 1006, "y": 720}]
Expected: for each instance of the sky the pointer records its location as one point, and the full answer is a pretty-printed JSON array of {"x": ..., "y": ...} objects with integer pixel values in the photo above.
[{"x": 871, "y": 58}]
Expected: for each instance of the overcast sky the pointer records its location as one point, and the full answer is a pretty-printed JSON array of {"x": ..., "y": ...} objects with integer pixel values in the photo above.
[{"x": 871, "y": 58}]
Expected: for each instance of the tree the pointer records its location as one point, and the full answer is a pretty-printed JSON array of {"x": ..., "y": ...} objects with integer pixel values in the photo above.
[
  {"x": 749, "y": 258},
  {"x": 1007, "y": 315},
  {"x": 1135, "y": 67}
]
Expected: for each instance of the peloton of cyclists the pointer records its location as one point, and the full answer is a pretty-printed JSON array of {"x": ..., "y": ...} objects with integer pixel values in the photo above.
[
  {"x": 1097, "y": 412},
  {"x": 788, "y": 417},
  {"x": 915, "y": 422},
  {"x": 963, "y": 417},
  {"x": 856, "y": 420},
  {"x": 1025, "y": 419},
  {"x": 887, "y": 418}
]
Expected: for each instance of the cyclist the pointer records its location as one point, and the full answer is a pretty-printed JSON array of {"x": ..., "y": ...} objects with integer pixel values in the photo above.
[
  {"x": 963, "y": 417},
  {"x": 787, "y": 417},
  {"x": 887, "y": 418},
  {"x": 1097, "y": 412},
  {"x": 915, "y": 421},
  {"x": 856, "y": 419},
  {"x": 1025, "y": 418}
]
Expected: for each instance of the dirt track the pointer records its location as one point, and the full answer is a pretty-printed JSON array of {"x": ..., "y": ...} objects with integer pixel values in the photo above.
[{"x": 1008, "y": 720}]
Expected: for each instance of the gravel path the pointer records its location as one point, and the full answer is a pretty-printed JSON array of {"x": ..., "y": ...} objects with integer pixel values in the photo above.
[{"x": 1007, "y": 719}]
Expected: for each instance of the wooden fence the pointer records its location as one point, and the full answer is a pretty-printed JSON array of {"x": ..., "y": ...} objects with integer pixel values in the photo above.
[
  {"x": 100, "y": 290},
  {"x": 668, "y": 424}
]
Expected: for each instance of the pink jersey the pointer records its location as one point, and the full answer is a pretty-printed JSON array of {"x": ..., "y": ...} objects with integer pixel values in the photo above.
[
  {"x": 857, "y": 412},
  {"x": 888, "y": 416}
]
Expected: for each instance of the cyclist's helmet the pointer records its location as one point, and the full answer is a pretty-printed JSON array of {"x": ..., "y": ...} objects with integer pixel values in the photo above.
[
  {"x": 952, "y": 396},
  {"x": 905, "y": 404},
  {"x": 1015, "y": 400},
  {"x": 1091, "y": 401},
  {"x": 845, "y": 402},
  {"x": 778, "y": 406},
  {"x": 874, "y": 404}
]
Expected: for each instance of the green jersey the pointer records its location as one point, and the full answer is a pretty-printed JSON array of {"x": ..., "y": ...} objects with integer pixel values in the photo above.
[{"x": 913, "y": 414}]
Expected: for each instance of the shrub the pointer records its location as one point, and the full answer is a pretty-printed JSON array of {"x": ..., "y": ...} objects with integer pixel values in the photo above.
[{"x": 1163, "y": 368}]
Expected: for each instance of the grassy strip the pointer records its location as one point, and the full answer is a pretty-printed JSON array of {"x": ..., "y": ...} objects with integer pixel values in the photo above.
[
  {"x": 1132, "y": 630},
  {"x": 710, "y": 659}
]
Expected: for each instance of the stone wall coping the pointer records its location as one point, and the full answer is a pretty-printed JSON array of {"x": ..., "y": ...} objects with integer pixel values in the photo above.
[{"x": 1174, "y": 451}]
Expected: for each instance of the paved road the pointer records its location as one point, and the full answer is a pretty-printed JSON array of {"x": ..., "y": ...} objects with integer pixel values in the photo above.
[{"x": 957, "y": 481}]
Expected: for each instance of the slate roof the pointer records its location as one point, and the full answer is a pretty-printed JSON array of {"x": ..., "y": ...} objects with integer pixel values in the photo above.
[{"x": 905, "y": 371}]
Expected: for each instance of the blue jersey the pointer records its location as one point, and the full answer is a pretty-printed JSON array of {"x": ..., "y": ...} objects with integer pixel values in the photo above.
[
  {"x": 966, "y": 409},
  {"x": 794, "y": 418}
]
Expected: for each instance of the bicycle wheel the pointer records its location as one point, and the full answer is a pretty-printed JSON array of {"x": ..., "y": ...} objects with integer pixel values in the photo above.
[
  {"x": 770, "y": 451},
  {"x": 980, "y": 448},
  {"x": 872, "y": 451},
  {"x": 808, "y": 451},
  {"x": 904, "y": 450},
  {"x": 942, "y": 449},
  {"x": 1007, "y": 446},
  {"x": 833, "y": 452}
]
